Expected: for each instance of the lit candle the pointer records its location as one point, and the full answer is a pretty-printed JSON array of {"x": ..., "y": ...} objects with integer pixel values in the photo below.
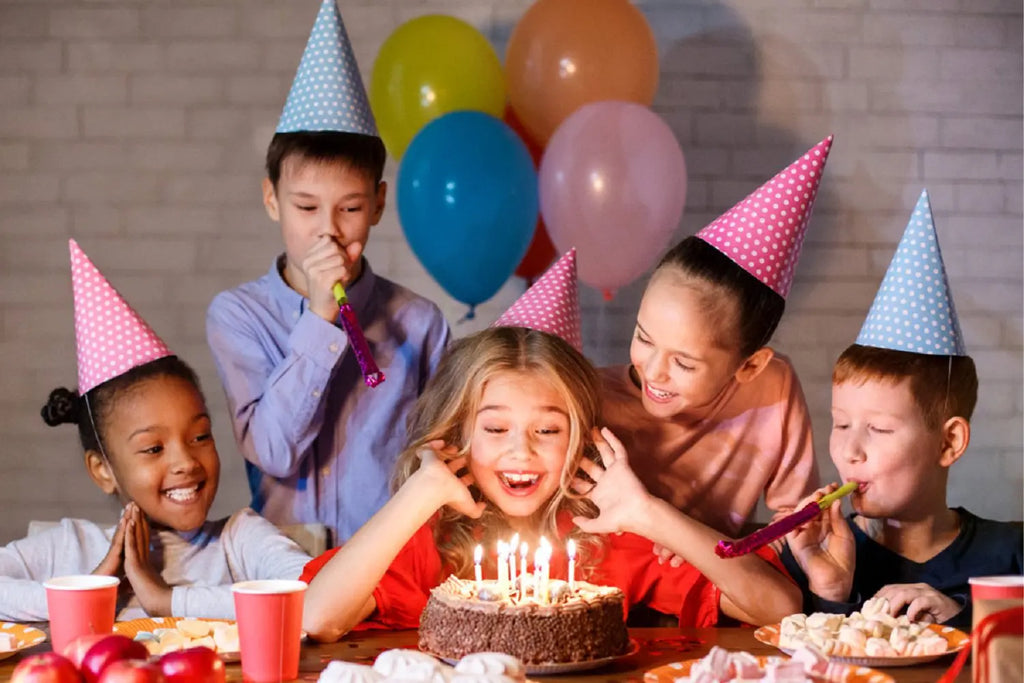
[
  {"x": 523, "y": 550},
  {"x": 570, "y": 550},
  {"x": 538, "y": 570},
  {"x": 478, "y": 555},
  {"x": 502, "y": 566},
  {"x": 543, "y": 586},
  {"x": 512, "y": 560}
]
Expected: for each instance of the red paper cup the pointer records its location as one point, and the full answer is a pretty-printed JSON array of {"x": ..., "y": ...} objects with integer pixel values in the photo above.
[
  {"x": 269, "y": 615},
  {"x": 79, "y": 605},
  {"x": 997, "y": 634}
]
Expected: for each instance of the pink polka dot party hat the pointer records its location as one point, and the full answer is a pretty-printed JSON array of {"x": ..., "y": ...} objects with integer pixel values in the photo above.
[
  {"x": 551, "y": 304},
  {"x": 763, "y": 234},
  {"x": 111, "y": 337}
]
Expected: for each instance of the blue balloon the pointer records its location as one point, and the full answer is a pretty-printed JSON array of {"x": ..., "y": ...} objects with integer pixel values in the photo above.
[{"x": 468, "y": 202}]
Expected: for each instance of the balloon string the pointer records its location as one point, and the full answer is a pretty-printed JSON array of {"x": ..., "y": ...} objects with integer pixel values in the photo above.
[{"x": 470, "y": 314}]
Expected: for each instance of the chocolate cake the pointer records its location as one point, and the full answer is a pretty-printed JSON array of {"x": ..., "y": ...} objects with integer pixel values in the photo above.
[{"x": 577, "y": 625}]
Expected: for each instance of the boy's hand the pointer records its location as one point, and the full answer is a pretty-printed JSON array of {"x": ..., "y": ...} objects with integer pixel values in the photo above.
[
  {"x": 620, "y": 497},
  {"x": 112, "y": 562},
  {"x": 825, "y": 549},
  {"x": 152, "y": 591},
  {"x": 439, "y": 471},
  {"x": 923, "y": 602},
  {"x": 326, "y": 264}
]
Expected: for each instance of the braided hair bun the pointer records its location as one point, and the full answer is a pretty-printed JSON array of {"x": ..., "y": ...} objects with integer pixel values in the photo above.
[{"x": 62, "y": 407}]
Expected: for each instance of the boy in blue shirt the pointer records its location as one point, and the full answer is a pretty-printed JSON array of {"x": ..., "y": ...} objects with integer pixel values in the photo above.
[
  {"x": 902, "y": 398},
  {"x": 319, "y": 444}
]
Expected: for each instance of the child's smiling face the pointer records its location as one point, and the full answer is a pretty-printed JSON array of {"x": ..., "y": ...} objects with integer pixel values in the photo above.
[
  {"x": 677, "y": 351},
  {"x": 519, "y": 442},
  {"x": 162, "y": 454},
  {"x": 314, "y": 199}
]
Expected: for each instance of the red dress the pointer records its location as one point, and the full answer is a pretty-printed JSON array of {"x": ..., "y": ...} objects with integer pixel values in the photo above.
[{"x": 627, "y": 562}]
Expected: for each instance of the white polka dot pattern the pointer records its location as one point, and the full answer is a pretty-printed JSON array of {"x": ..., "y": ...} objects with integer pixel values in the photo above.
[
  {"x": 763, "y": 234},
  {"x": 328, "y": 92},
  {"x": 551, "y": 304},
  {"x": 111, "y": 337},
  {"x": 913, "y": 310}
]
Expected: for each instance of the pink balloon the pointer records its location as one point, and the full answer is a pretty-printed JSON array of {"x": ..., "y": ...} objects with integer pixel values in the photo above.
[{"x": 613, "y": 185}]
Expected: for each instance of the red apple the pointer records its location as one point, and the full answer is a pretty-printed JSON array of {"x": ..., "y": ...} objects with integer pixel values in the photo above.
[
  {"x": 194, "y": 665},
  {"x": 131, "y": 671},
  {"x": 48, "y": 667},
  {"x": 77, "y": 648},
  {"x": 111, "y": 649}
]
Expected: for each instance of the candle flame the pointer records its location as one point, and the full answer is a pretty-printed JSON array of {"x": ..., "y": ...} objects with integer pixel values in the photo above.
[
  {"x": 523, "y": 550},
  {"x": 570, "y": 549},
  {"x": 478, "y": 554}
]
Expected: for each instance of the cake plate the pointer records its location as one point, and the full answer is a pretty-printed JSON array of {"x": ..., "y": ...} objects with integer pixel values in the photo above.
[{"x": 550, "y": 668}]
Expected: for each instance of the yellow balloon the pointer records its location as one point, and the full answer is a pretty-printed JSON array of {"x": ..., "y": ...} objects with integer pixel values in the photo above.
[{"x": 430, "y": 66}]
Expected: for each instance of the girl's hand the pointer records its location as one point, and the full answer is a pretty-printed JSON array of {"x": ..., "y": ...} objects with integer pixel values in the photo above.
[
  {"x": 439, "y": 471},
  {"x": 665, "y": 555},
  {"x": 620, "y": 497},
  {"x": 923, "y": 602},
  {"x": 112, "y": 562},
  {"x": 825, "y": 549},
  {"x": 152, "y": 591}
]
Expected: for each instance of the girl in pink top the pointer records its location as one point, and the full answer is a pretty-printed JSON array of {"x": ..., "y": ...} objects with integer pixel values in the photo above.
[{"x": 714, "y": 418}]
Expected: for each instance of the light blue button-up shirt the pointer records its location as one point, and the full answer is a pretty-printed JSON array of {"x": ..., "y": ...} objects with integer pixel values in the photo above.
[{"x": 319, "y": 444}]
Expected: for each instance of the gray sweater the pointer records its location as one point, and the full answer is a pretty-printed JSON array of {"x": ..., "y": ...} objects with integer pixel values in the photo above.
[{"x": 200, "y": 565}]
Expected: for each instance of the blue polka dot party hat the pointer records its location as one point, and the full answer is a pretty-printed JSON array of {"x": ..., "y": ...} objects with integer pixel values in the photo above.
[
  {"x": 327, "y": 93},
  {"x": 913, "y": 310}
]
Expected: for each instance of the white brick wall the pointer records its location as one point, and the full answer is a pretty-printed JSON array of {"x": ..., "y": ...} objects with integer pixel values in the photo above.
[{"x": 139, "y": 128}]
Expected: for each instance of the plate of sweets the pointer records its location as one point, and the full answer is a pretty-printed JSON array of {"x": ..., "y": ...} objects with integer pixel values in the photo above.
[
  {"x": 807, "y": 665},
  {"x": 169, "y": 634},
  {"x": 414, "y": 666},
  {"x": 871, "y": 637},
  {"x": 17, "y": 637}
]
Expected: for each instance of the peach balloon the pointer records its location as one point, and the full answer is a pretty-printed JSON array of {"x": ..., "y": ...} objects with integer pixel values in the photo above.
[{"x": 565, "y": 53}]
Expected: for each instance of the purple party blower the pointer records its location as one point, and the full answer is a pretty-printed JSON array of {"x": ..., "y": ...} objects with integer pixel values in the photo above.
[
  {"x": 371, "y": 373},
  {"x": 763, "y": 537}
]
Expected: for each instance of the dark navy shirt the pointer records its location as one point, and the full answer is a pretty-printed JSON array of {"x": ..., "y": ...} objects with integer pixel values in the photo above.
[{"x": 982, "y": 548}]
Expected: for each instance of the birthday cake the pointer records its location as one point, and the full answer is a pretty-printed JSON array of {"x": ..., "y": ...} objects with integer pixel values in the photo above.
[{"x": 561, "y": 625}]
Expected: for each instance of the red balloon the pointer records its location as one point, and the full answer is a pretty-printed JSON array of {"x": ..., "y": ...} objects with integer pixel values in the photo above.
[
  {"x": 539, "y": 256},
  {"x": 536, "y": 150},
  {"x": 541, "y": 252}
]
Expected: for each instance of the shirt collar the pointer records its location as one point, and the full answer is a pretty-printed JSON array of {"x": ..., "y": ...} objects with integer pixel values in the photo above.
[{"x": 359, "y": 292}]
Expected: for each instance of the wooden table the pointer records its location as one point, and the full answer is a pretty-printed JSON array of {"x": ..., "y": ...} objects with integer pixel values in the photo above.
[{"x": 657, "y": 646}]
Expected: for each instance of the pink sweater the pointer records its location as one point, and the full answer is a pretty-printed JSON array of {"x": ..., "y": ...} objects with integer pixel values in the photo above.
[{"x": 755, "y": 439}]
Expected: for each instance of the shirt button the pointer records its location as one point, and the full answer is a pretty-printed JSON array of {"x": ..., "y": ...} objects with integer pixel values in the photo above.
[
  {"x": 333, "y": 348},
  {"x": 316, "y": 393}
]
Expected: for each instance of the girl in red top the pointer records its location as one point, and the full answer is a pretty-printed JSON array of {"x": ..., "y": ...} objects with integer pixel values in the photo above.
[{"x": 496, "y": 447}]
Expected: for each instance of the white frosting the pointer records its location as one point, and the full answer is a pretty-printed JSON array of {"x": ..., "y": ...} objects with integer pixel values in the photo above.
[
  {"x": 491, "y": 664},
  {"x": 483, "y": 678},
  {"x": 348, "y": 672},
  {"x": 7, "y": 642},
  {"x": 411, "y": 665}
]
